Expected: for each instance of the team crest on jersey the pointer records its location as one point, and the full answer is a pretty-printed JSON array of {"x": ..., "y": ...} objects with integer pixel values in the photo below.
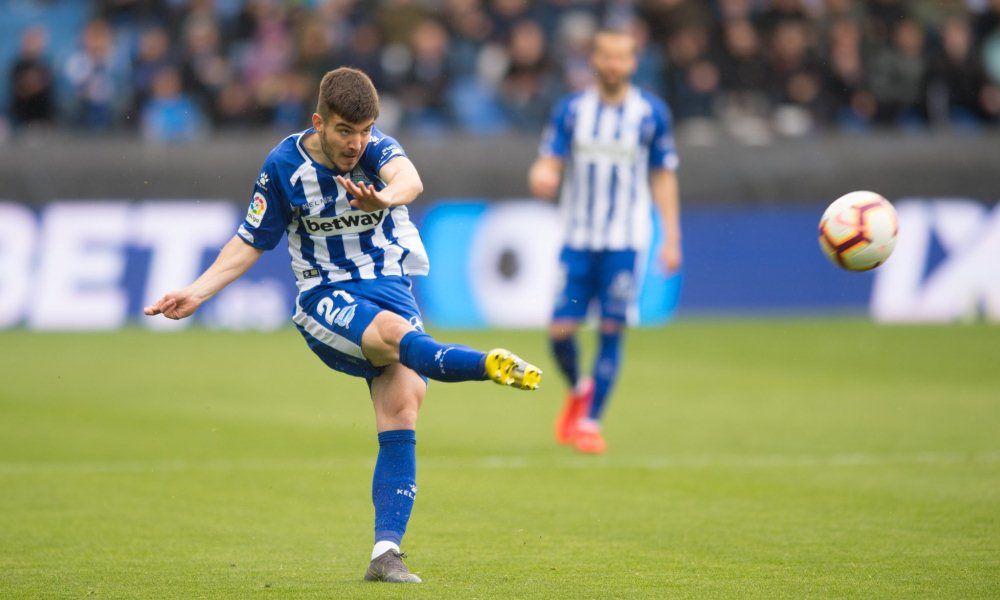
[
  {"x": 258, "y": 206},
  {"x": 263, "y": 180},
  {"x": 359, "y": 177}
]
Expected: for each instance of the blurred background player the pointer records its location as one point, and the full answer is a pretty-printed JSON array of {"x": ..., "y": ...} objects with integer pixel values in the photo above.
[
  {"x": 339, "y": 190},
  {"x": 613, "y": 148}
]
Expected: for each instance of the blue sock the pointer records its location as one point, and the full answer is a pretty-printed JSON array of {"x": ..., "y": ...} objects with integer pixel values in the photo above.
[
  {"x": 394, "y": 485},
  {"x": 565, "y": 353},
  {"x": 605, "y": 371},
  {"x": 444, "y": 362}
]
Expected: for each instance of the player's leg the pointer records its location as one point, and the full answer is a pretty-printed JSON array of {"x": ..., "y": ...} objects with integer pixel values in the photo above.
[
  {"x": 397, "y": 394},
  {"x": 618, "y": 286},
  {"x": 572, "y": 302},
  {"x": 562, "y": 341},
  {"x": 355, "y": 335},
  {"x": 390, "y": 338}
]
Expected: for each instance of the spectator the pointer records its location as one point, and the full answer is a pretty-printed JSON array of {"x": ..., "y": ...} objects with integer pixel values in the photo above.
[
  {"x": 988, "y": 22},
  {"x": 292, "y": 106},
  {"x": 849, "y": 102},
  {"x": 794, "y": 81},
  {"x": 898, "y": 76},
  {"x": 31, "y": 81},
  {"x": 314, "y": 49},
  {"x": 364, "y": 52},
  {"x": 847, "y": 63},
  {"x": 528, "y": 88},
  {"x": 778, "y": 14},
  {"x": 204, "y": 69},
  {"x": 269, "y": 53},
  {"x": 171, "y": 116},
  {"x": 576, "y": 33},
  {"x": 397, "y": 19},
  {"x": 742, "y": 63},
  {"x": 506, "y": 14},
  {"x": 424, "y": 91},
  {"x": 957, "y": 77},
  {"x": 668, "y": 18},
  {"x": 153, "y": 55},
  {"x": 693, "y": 78},
  {"x": 650, "y": 67},
  {"x": 95, "y": 77},
  {"x": 470, "y": 29}
]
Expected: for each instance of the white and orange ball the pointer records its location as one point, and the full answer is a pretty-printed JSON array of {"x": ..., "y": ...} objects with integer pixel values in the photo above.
[{"x": 858, "y": 231}]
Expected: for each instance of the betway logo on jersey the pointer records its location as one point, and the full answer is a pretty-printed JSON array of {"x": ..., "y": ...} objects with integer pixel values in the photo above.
[
  {"x": 616, "y": 151},
  {"x": 354, "y": 221}
]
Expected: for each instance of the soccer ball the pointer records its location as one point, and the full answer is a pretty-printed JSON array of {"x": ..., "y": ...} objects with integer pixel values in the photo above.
[{"x": 858, "y": 231}]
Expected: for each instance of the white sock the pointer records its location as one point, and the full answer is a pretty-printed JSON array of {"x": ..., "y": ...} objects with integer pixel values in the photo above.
[
  {"x": 382, "y": 547},
  {"x": 589, "y": 425}
]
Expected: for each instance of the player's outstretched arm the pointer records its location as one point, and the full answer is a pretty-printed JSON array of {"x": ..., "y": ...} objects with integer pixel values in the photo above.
[
  {"x": 233, "y": 261},
  {"x": 666, "y": 195},
  {"x": 543, "y": 177},
  {"x": 402, "y": 186}
]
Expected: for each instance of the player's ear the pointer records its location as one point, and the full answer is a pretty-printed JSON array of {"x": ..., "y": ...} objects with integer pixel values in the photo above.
[{"x": 317, "y": 122}]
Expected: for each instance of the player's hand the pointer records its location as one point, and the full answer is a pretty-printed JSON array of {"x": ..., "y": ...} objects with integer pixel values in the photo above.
[
  {"x": 174, "y": 305},
  {"x": 543, "y": 181},
  {"x": 670, "y": 257},
  {"x": 366, "y": 197}
]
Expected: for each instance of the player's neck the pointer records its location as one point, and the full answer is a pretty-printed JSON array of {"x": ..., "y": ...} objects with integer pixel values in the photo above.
[
  {"x": 612, "y": 95},
  {"x": 310, "y": 142}
]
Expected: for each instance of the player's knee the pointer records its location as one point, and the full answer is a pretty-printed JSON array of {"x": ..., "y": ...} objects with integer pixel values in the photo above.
[
  {"x": 380, "y": 342},
  {"x": 406, "y": 416},
  {"x": 609, "y": 326},
  {"x": 402, "y": 411},
  {"x": 562, "y": 330}
]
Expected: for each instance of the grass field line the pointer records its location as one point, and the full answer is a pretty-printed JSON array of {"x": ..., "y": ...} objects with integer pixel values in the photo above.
[{"x": 511, "y": 462}]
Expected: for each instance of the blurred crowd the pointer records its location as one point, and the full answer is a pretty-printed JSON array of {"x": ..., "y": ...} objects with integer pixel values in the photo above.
[{"x": 177, "y": 70}]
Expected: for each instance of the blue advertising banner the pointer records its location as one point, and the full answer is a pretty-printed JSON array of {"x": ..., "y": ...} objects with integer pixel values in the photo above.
[
  {"x": 495, "y": 265},
  {"x": 94, "y": 265},
  {"x": 763, "y": 260}
]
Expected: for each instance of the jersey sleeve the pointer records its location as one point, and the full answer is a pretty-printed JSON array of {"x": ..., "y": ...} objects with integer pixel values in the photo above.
[
  {"x": 662, "y": 150},
  {"x": 558, "y": 134},
  {"x": 268, "y": 215},
  {"x": 381, "y": 149}
]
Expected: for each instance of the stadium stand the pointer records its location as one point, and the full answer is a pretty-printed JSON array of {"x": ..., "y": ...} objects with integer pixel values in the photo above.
[{"x": 175, "y": 70}]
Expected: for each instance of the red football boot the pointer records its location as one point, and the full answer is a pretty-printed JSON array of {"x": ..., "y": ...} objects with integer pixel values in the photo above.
[
  {"x": 588, "y": 438},
  {"x": 577, "y": 405}
]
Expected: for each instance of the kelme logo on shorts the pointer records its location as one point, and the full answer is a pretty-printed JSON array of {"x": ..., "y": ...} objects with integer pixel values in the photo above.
[
  {"x": 351, "y": 222},
  {"x": 258, "y": 206}
]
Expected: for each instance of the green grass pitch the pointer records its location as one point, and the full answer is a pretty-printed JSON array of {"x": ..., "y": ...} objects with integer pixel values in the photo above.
[{"x": 770, "y": 459}]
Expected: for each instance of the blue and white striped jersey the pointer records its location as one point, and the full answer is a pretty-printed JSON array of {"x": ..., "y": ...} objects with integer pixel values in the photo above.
[
  {"x": 608, "y": 152},
  {"x": 328, "y": 240}
]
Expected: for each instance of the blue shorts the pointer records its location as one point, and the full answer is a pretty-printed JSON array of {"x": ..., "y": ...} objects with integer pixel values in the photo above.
[
  {"x": 333, "y": 317},
  {"x": 609, "y": 276}
]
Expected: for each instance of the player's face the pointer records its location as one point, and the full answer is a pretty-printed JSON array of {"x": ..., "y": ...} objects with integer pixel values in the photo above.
[
  {"x": 613, "y": 60},
  {"x": 342, "y": 142}
]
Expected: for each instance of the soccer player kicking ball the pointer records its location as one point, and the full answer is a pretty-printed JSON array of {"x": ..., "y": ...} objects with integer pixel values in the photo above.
[
  {"x": 613, "y": 148},
  {"x": 339, "y": 190}
]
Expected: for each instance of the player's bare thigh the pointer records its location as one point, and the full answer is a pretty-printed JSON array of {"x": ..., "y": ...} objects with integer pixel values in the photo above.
[
  {"x": 397, "y": 395},
  {"x": 380, "y": 341}
]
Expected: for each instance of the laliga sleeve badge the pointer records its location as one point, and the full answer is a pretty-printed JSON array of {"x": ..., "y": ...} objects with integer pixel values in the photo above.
[{"x": 258, "y": 206}]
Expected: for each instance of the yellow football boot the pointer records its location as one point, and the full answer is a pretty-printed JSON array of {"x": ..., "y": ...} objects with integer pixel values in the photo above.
[{"x": 506, "y": 368}]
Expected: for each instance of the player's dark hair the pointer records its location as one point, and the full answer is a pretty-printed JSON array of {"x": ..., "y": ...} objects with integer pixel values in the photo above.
[
  {"x": 349, "y": 93},
  {"x": 612, "y": 31}
]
